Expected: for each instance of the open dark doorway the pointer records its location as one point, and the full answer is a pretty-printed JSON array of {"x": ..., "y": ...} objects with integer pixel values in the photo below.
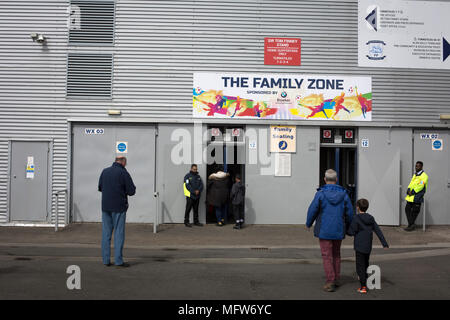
[
  {"x": 227, "y": 147},
  {"x": 343, "y": 161}
]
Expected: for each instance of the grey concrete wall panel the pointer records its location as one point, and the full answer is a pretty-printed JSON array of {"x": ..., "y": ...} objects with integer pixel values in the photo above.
[
  {"x": 382, "y": 170},
  {"x": 437, "y": 166},
  {"x": 93, "y": 153},
  {"x": 283, "y": 200},
  {"x": 171, "y": 171},
  {"x": 29, "y": 196}
]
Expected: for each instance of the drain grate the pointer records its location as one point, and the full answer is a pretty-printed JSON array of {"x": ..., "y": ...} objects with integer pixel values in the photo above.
[
  {"x": 260, "y": 249},
  {"x": 23, "y": 259}
]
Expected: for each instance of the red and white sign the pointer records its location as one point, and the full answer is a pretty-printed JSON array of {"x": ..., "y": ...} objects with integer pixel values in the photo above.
[
  {"x": 349, "y": 134},
  {"x": 282, "y": 51},
  {"x": 215, "y": 132},
  {"x": 236, "y": 132},
  {"x": 326, "y": 134}
]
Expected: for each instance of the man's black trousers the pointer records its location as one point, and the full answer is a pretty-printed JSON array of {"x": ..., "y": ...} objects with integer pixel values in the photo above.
[
  {"x": 412, "y": 211},
  {"x": 191, "y": 203},
  {"x": 238, "y": 212},
  {"x": 362, "y": 263}
]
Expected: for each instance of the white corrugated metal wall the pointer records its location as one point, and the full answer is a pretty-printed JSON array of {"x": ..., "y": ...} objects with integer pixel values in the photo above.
[{"x": 158, "y": 44}]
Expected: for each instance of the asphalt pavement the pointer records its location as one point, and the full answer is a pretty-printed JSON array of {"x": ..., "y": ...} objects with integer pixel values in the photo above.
[{"x": 33, "y": 265}]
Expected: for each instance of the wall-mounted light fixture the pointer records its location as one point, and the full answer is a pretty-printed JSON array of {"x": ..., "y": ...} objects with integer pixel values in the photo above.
[
  {"x": 113, "y": 112},
  {"x": 444, "y": 116},
  {"x": 38, "y": 37}
]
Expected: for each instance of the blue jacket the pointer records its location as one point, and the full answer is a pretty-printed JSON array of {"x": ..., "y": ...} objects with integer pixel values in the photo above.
[
  {"x": 332, "y": 211},
  {"x": 115, "y": 184},
  {"x": 193, "y": 182}
]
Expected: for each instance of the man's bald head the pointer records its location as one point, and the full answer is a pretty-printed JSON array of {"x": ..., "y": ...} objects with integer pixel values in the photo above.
[{"x": 122, "y": 160}]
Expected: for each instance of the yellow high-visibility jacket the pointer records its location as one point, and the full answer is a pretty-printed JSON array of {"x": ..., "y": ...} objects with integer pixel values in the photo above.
[
  {"x": 418, "y": 187},
  {"x": 187, "y": 193}
]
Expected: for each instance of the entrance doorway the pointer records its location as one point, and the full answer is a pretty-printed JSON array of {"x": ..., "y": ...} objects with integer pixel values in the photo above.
[
  {"x": 29, "y": 181},
  {"x": 94, "y": 147},
  {"x": 338, "y": 152},
  {"x": 227, "y": 151}
]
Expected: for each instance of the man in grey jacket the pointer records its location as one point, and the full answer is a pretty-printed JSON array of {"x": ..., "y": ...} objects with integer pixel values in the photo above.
[{"x": 237, "y": 200}]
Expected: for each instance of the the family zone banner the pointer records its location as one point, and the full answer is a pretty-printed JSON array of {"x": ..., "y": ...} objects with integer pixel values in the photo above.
[{"x": 282, "y": 96}]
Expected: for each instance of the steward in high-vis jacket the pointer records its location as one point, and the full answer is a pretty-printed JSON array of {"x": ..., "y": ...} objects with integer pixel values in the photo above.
[
  {"x": 193, "y": 187},
  {"x": 415, "y": 195}
]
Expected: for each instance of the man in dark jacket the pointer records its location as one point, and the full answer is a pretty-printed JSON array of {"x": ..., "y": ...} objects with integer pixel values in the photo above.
[
  {"x": 362, "y": 227},
  {"x": 116, "y": 185},
  {"x": 193, "y": 187},
  {"x": 331, "y": 209},
  {"x": 218, "y": 194}
]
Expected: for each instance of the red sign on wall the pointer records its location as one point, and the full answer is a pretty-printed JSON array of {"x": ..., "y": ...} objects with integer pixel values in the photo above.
[
  {"x": 282, "y": 51},
  {"x": 349, "y": 134}
]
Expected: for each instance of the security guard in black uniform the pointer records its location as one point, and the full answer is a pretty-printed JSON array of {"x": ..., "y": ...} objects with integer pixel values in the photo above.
[{"x": 193, "y": 187}]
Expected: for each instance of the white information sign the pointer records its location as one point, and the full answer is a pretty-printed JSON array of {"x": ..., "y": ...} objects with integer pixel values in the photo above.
[
  {"x": 283, "y": 139},
  {"x": 30, "y": 168},
  {"x": 364, "y": 143},
  {"x": 403, "y": 34},
  {"x": 282, "y": 164}
]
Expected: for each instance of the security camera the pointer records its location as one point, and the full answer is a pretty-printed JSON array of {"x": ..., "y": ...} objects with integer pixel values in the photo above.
[{"x": 40, "y": 38}]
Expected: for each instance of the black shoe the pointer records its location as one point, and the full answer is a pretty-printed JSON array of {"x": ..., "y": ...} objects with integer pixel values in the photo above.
[
  {"x": 123, "y": 265},
  {"x": 408, "y": 228},
  {"x": 198, "y": 224},
  {"x": 237, "y": 226},
  {"x": 107, "y": 265},
  {"x": 187, "y": 224}
]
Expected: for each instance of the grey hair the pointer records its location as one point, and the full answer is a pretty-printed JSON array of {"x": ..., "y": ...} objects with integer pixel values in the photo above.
[{"x": 330, "y": 175}]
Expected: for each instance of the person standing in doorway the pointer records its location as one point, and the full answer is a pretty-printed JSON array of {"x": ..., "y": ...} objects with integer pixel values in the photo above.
[
  {"x": 193, "y": 187},
  {"x": 332, "y": 212},
  {"x": 116, "y": 185},
  {"x": 218, "y": 193},
  {"x": 237, "y": 201},
  {"x": 415, "y": 195}
]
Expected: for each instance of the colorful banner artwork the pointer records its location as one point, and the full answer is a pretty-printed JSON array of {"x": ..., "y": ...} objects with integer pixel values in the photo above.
[{"x": 282, "y": 97}]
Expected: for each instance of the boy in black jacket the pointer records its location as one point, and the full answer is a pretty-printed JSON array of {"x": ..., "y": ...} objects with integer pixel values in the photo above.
[
  {"x": 362, "y": 227},
  {"x": 237, "y": 200}
]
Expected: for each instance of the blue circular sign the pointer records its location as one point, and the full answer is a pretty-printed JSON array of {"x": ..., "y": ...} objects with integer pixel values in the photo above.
[
  {"x": 437, "y": 144},
  {"x": 282, "y": 145},
  {"x": 121, "y": 147}
]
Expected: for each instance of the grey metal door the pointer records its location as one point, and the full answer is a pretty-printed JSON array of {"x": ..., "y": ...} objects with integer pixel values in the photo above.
[
  {"x": 29, "y": 190},
  {"x": 92, "y": 151},
  {"x": 379, "y": 175},
  {"x": 437, "y": 166}
]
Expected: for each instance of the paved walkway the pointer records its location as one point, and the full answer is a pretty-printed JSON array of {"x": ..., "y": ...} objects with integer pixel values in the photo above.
[{"x": 211, "y": 236}]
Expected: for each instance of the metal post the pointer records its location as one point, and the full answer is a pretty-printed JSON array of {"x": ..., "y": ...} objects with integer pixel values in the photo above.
[
  {"x": 155, "y": 223},
  {"x": 57, "y": 205},
  {"x": 56, "y": 215},
  {"x": 424, "y": 214},
  {"x": 337, "y": 164}
]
